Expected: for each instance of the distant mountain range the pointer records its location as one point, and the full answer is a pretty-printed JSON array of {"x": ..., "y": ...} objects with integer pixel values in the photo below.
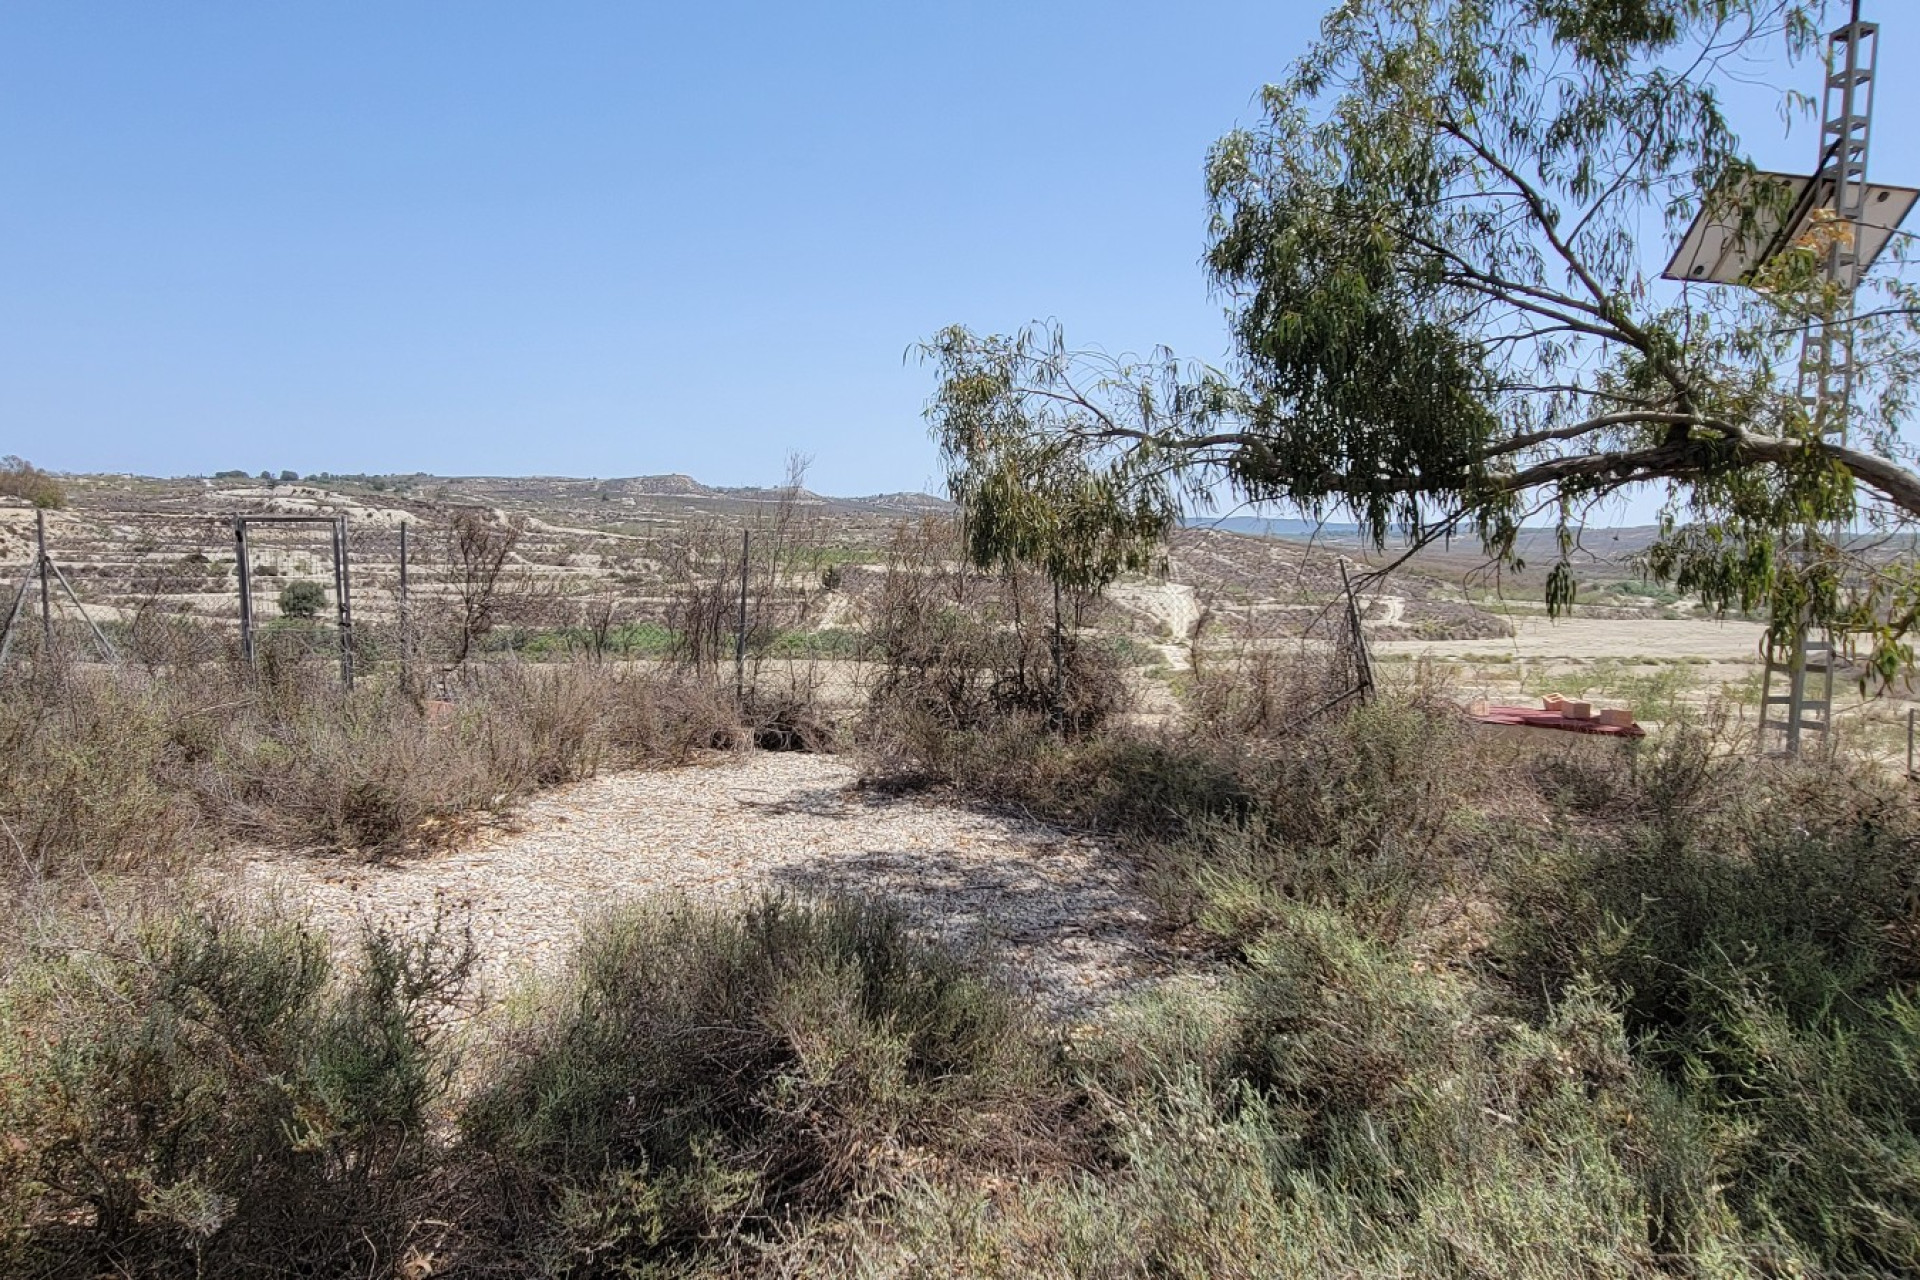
[
  {"x": 673, "y": 488},
  {"x": 676, "y": 488},
  {"x": 1535, "y": 543},
  {"x": 1275, "y": 527}
]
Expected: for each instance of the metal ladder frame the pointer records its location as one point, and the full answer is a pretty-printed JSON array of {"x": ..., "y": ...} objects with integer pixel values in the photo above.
[{"x": 1826, "y": 351}]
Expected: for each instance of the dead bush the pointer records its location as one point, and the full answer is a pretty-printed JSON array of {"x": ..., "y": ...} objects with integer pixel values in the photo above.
[
  {"x": 128, "y": 769},
  {"x": 1266, "y": 693},
  {"x": 958, "y": 650},
  {"x": 90, "y": 777}
]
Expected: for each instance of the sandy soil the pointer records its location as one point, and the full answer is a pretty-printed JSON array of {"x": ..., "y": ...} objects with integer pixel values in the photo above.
[
  {"x": 1062, "y": 912},
  {"x": 1172, "y": 605},
  {"x": 1547, "y": 640}
]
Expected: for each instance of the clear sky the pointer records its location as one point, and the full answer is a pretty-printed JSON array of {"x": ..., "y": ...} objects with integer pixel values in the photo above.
[{"x": 606, "y": 239}]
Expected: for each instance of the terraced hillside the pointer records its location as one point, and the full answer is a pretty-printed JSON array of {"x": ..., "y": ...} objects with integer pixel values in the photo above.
[{"x": 622, "y": 548}]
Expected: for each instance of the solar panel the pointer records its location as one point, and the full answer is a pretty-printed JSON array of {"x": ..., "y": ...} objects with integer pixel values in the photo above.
[{"x": 1733, "y": 236}]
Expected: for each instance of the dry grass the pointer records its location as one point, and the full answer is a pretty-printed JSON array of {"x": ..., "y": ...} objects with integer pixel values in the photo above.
[
  {"x": 127, "y": 770},
  {"x": 1635, "y": 1013}
]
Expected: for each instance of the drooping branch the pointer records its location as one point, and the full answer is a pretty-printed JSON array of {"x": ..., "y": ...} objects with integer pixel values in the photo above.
[{"x": 1434, "y": 254}]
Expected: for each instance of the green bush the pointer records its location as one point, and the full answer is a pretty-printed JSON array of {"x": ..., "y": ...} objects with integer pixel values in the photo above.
[
  {"x": 21, "y": 479},
  {"x": 1351, "y": 1113},
  {"x": 302, "y": 599},
  {"x": 1370, "y": 813},
  {"x": 705, "y": 1077},
  {"x": 216, "y": 1099},
  {"x": 1759, "y": 926}
]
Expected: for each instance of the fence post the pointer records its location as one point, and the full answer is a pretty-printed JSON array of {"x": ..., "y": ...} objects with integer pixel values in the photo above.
[
  {"x": 406, "y": 618},
  {"x": 346, "y": 605},
  {"x": 46, "y": 594},
  {"x": 740, "y": 634},
  {"x": 245, "y": 570}
]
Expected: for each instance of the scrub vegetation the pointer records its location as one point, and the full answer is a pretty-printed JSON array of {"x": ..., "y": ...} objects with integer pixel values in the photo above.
[
  {"x": 1440, "y": 1003},
  {"x": 1451, "y": 1009}
]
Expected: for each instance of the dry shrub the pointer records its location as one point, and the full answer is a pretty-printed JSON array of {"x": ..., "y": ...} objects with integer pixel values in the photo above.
[
  {"x": 21, "y": 479},
  {"x": 702, "y": 585},
  {"x": 362, "y": 773},
  {"x": 963, "y": 650},
  {"x": 89, "y": 771},
  {"x": 653, "y": 719},
  {"x": 704, "y": 1078},
  {"x": 127, "y": 769},
  {"x": 787, "y": 719},
  {"x": 368, "y": 773},
  {"x": 1264, "y": 692},
  {"x": 214, "y": 1098}
]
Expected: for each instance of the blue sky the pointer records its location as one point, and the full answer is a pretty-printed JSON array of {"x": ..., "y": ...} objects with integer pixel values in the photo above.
[{"x": 603, "y": 239}]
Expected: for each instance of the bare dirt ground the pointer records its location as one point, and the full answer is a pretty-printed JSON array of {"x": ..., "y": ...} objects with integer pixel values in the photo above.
[
  {"x": 1059, "y": 911},
  {"x": 1581, "y": 639},
  {"x": 1173, "y": 609}
]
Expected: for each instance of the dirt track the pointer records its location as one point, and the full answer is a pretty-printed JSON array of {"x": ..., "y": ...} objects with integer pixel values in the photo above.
[
  {"x": 1061, "y": 911},
  {"x": 1584, "y": 639}
]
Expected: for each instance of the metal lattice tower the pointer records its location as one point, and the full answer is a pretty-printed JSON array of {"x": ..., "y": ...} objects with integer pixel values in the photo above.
[{"x": 1826, "y": 356}]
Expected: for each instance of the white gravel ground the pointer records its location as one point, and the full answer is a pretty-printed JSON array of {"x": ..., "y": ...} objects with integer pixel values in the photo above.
[{"x": 1060, "y": 911}]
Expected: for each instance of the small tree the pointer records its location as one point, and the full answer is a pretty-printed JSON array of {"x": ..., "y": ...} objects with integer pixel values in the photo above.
[
  {"x": 1438, "y": 249},
  {"x": 1029, "y": 500},
  {"x": 21, "y": 479},
  {"x": 478, "y": 547},
  {"x": 302, "y": 599}
]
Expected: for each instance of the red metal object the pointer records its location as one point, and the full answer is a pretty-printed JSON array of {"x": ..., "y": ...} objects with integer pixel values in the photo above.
[{"x": 1534, "y": 718}]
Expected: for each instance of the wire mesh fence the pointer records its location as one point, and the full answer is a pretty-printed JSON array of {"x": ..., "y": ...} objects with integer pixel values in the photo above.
[
  {"x": 783, "y": 604},
  {"x": 433, "y": 592}
]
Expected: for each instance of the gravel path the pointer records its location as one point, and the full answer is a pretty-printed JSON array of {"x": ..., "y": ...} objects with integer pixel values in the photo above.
[{"x": 1060, "y": 911}]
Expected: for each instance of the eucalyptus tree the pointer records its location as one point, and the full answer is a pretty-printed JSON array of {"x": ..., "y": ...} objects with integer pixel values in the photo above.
[
  {"x": 1029, "y": 495},
  {"x": 1439, "y": 247}
]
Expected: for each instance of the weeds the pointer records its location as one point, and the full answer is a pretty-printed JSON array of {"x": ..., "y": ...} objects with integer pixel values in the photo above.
[
  {"x": 705, "y": 1075},
  {"x": 1625, "y": 1014},
  {"x": 1615, "y": 1014},
  {"x": 128, "y": 770},
  {"x": 217, "y": 1099}
]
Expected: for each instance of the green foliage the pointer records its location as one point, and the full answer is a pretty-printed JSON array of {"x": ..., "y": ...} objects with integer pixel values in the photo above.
[
  {"x": 707, "y": 1074},
  {"x": 1690, "y": 1042},
  {"x": 1659, "y": 695},
  {"x": 216, "y": 1100},
  {"x": 21, "y": 479},
  {"x": 302, "y": 599},
  {"x": 1027, "y": 502},
  {"x": 1760, "y": 933},
  {"x": 828, "y": 642},
  {"x": 1434, "y": 248},
  {"x": 1659, "y": 593}
]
